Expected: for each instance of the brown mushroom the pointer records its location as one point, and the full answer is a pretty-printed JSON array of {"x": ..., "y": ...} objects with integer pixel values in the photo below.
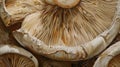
[
  {"x": 5, "y": 39},
  {"x": 12, "y": 56},
  {"x": 78, "y": 32},
  {"x": 14, "y": 11},
  {"x": 71, "y": 34},
  {"x": 110, "y": 57}
]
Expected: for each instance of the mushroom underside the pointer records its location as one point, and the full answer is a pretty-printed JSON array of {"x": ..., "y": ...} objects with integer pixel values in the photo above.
[
  {"x": 13, "y": 56},
  {"x": 15, "y": 60},
  {"x": 14, "y": 11},
  {"x": 110, "y": 57},
  {"x": 70, "y": 34},
  {"x": 115, "y": 61},
  {"x": 65, "y": 53}
]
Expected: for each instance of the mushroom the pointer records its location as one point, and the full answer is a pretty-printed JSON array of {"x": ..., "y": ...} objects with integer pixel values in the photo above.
[
  {"x": 12, "y": 56},
  {"x": 63, "y": 3},
  {"x": 14, "y": 11},
  {"x": 49, "y": 2},
  {"x": 68, "y": 30},
  {"x": 110, "y": 57},
  {"x": 66, "y": 3},
  {"x": 73, "y": 33}
]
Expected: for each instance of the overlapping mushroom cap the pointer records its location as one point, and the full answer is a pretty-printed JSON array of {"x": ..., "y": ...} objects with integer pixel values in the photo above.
[
  {"x": 69, "y": 30},
  {"x": 110, "y": 57},
  {"x": 14, "y": 11},
  {"x": 12, "y": 56}
]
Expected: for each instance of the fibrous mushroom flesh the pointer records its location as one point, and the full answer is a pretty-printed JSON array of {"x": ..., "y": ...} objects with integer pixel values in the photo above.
[
  {"x": 74, "y": 33},
  {"x": 14, "y": 11},
  {"x": 110, "y": 57},
  {"x": 12, "y": 56},
  {"x": 65, "y": 30}
]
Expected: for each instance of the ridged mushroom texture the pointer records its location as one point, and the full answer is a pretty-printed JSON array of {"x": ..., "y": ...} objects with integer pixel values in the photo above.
[
  {"x": 14, "y": 11},
  {"x": 12, "y": 56},
  {"x": 72, "y": 33},
  {"x": 110, "y": 57}
]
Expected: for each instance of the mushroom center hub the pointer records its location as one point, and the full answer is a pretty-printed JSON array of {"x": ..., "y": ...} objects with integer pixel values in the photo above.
[{"x": 64, "y": 3}]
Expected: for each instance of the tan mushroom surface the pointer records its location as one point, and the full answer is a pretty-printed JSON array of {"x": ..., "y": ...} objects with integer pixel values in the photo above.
[
  {"x": 61, "y": 30},
  {"x": 14, "y": 11},
  {"x": 52, "y": 29},
  {"x": 66, "y": 3},
  {"x": 110, "y": 57},
  {"x": 70, "y": 34},
  {"x": 12, "y": 56}
]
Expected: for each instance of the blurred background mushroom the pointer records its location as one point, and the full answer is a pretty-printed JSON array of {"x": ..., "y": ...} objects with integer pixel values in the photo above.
[
  {"x": 14, "y": 11},
  {"x": 110, "y": 57},
  {"x": 12, "y": 56}
]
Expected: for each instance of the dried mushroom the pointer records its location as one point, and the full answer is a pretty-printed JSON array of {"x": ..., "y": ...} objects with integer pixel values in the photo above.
[
  {"x": 13, "y": 11},
  {"x": 12, "y": 56},
  {"x": 110, "y": 57},
  {"x": 73, "y": 33}
]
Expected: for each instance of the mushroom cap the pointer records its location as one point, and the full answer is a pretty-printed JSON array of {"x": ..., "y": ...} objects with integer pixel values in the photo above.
[
  {"x": 16, "y": 57},
  {"x": 70, "y": 34},
  {"x": 67, "y": 3},
  {"x": 110, "y": 57},
  {"x": 14, "y": 11}
]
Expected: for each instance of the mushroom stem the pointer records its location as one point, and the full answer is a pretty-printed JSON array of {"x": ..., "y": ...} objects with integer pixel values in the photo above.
[{"x": 66, "y": 3}]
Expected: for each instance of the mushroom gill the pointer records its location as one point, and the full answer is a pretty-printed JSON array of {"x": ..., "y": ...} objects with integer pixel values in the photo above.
[
  {"x": 70, "y": 27},
  {"x": 15, "y": 60},
  {"x": 70, "y": 34},
  {"x": 12, "y": 56},
  {"x": 110, "y": 57},
  {"x": 14, "y": 11},
  {"x": 115, "y": 61}
]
